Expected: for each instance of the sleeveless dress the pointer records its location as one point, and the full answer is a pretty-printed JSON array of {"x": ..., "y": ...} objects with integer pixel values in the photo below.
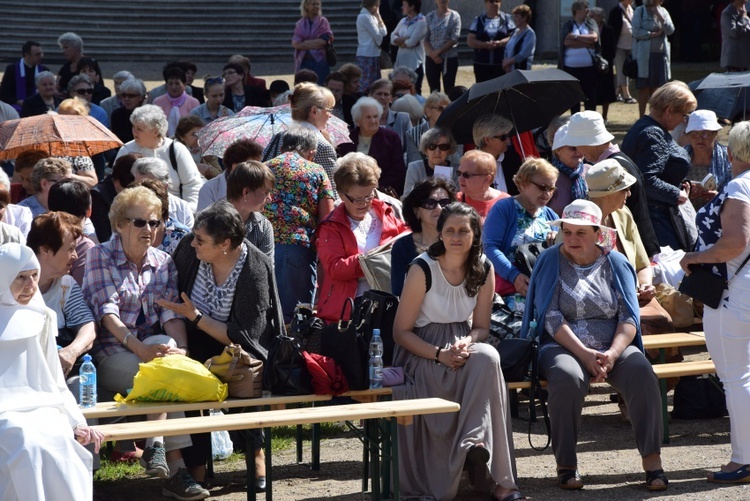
[{"x": 433, "y": 448}]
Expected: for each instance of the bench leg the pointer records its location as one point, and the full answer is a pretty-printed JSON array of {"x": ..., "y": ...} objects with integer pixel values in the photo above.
[
  {"x": 365, "y": 456},
  {"x": 663, "y": 387},
  {"x": 299, "y": 443},
  {"x": 385, "y": 427},
  {"x": 315, "y": 448},
  {"x": 394, "y": 456},
  {"x": 372, "y": 438},
  {"x": 250, "y": 466},
  {"x": 269, "y": 465},
  {"x": 513, "y": 401}
]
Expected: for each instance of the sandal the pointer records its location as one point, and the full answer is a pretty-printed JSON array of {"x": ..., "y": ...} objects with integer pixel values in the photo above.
[
  {"x": 654, "y": 475},
  {"x": 738, "y": 476},
  {"x": 513, "y": 496},
  {"x": 630, "y": 100},
  {"x": 564, "y": 475}
]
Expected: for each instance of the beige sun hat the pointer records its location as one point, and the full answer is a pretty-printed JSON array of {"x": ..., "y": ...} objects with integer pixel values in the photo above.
[{"x": 607, "y": 177}]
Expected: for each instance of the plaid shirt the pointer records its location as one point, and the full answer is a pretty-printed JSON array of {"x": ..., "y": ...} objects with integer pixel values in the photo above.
[{"x": 113, "y": 285}]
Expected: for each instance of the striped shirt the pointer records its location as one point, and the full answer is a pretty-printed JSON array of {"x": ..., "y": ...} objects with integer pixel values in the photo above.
[
  {"x": 216, "y": 300},
  {"x": 112, "y": 284},
  {"x": 65, "y": 298}
]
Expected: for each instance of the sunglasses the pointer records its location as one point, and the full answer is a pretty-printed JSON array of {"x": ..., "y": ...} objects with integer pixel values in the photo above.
[
  {"x": 469, "y": 175},
  {"x": 544, "y": 188},
  {"x": 502, "y": 137},
  {"x": 441, "y": 147},
  {"x": 84, "y": 92},
  {"x": 431, "y": 203},
  {"x": 140, "y": 223},
  {"x": 130, "y": 96},
  {"x": 360, "y": 201}
]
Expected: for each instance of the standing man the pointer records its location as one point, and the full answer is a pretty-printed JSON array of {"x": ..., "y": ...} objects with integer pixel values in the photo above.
[{"x": 18, "y": 79}]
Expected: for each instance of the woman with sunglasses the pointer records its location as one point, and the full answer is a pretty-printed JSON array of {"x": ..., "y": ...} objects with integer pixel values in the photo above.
[
  {"x": 81, "y": 86},
  {"x": 133, "y": 95},
  {"x": 124, "y": 276},
  {"x": 521, "y": 219},
  {"x": 422, "y": 208},
  {"x": 213, "y": 91},
  {"x": 435, "y": 146},
  {"x": 359, "y": 224},
  {"x": 475, "y": 175}
]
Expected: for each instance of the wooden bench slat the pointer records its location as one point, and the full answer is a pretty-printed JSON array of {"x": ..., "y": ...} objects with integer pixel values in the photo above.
[
  {"x": 673, "y": 340},
  {"x": 677, "y": 369},
  {"x": 265, "y": 419}
]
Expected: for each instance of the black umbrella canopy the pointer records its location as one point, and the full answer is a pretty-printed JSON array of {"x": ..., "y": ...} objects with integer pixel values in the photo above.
[
  {"x": 530, "y": 99},
  {"x": 725, "y": 94}
]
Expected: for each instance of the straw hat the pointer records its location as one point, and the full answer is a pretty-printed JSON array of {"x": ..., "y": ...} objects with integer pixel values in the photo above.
[{"x": 607, "y": 177}]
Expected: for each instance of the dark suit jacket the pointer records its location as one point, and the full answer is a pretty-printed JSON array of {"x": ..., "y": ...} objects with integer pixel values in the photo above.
[
  {"x": 35, "y": 106},
  {"x": 254, "y": 96},
  {"x": 8, "y": 85},
  {"x": 102, "y": 196},
  {"x": 386, "y": 149}
]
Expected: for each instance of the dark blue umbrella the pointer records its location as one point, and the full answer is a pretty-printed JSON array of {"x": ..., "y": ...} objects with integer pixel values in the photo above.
[
  {"x": 725, "y": 94},
  {"x": 529, "y": 99}
]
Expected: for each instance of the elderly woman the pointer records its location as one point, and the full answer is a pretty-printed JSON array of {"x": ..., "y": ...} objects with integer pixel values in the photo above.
[
  {"x": 81, "y": 86},
  {"x": 519, "y": 51},
  {"x": 352, "y": 76},
  {"x": 157, "y": 169},
  {"x": 605, "y": 82},
  {"x": 408, "y": 36},
  {"x": 422, "y": 208},
  {"x": 295, "y": 215},
  {"x": 621, "y": 20},
  {"x": 579, "y": 41},
  {"x": 150, "y": 133},
  {"x": 114, "y": 102},
  {"x": 40, "y": 423},
  {"x": 723, "y": 249},
  {"x": 436, "y": 146},
  {"x": 45, "y": 99},
  {"x": 89, "y": 67},
  {"x": 488, "y": 35},
  {"x": 433, "y": 107},
  {"x": 124, "y": 276},
  {"x": 651, "y": 27},
  {"x": 380, "y": 143},
  {"x": 662, "y": 161},
  {"x": 249, "y": 187},
  {"x": 475, "y": 174},
  {"x": 707, "y": 156},
  {"x": 440, "y": 324},
  {"x": 176, "y": 103},
  {"x": 519, "y": 220},
  {"x": 170, "y": 232},
  {"x": 72, "y": 50},
  {"x": 187, "y": 134},
  {"x": 491, "y": 134},
  {"x": 46, "y": 173},
  {"x": 311, "y": 35},
  {"x": 133, "y": 95},
  {"x": 411, "y": 106},
  {"x": 399, "y": 123},
  {"x": 228, "y": 295},
  {"x": 370, "y": 32},
  {"x": 571, "y": 184},
  {"x": 359, "y": 224},
  {"x": 213, "y": 90},
  {"x": 441, "y": 39},
  {"x": 311, "y": 108},
  {"x": 583, "y": 308}
]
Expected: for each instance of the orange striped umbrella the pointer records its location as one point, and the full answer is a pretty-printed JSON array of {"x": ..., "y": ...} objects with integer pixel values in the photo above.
[{"x": 58, "y": 135}]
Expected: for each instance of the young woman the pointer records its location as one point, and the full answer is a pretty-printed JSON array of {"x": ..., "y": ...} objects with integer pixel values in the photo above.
[{"x": 213, "y": 91}]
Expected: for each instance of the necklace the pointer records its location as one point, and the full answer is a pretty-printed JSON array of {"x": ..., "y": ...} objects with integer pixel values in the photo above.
[{"x": 420, "y": 245}]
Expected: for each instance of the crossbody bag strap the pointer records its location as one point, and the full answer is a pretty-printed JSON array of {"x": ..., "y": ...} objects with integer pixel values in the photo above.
[{"x": 738, "y": 270}]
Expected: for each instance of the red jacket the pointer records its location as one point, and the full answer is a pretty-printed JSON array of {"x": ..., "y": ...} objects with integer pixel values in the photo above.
[{"x": 337, "y": 252}]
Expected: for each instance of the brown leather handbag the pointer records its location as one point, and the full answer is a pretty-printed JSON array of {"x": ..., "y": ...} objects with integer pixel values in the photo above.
[{"x": 240, "y": 371}]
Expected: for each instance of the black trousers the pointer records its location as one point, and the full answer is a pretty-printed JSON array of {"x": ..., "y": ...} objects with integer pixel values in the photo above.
[
  {"x": 588, "y": 78},
  {"x": 433, "y": 72},
  {"x": 484, "y": 72}
]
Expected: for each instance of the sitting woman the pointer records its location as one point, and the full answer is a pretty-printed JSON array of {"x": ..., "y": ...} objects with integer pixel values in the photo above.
[
  {"x": 476, "y": 173},
  {"x": 229, "y": 295},
  {"x": 436, "y": 145},
  {"x": 707, "y": 156},
  {"x": 422, "y": 208},
  {"x": 382, "y": 91},
  {"x": 571, "y": 183},
  {"x": 382, "y": 144},
  {"x": 359, "y": 224},
  {"x": 213, "y": 89},
  {"x": 519, "y": 220},
  {"x": 170, "y": 232},
  {"x": 123, "y": 278},
  {"x": 40, "y": 423},
  {"x": 187, "y": 134},
  {"x": 441, "y": 322},
  {"x": 583, "y": 306},
  {"x": 133, "y": 95}
]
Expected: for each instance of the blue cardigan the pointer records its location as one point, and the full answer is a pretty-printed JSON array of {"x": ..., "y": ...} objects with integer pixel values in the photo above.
[
  {"x": 544, "y": 281},
  {"x": 499, "y": 230}
]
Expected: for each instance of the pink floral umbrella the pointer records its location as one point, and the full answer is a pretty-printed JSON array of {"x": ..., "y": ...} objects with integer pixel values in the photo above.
[{"x": 259, "y": 124}]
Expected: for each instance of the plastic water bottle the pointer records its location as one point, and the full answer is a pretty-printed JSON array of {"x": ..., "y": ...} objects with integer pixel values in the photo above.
[
  {"x": 87, "y": 383},
  {"x": 376, "y": 360}
]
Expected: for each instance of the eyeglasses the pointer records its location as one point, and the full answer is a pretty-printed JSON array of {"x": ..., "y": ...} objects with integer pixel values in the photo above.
[
  {"x": 544, "y": 188},
  {"x": 502, "y": 137},
  {"x": 469, "y": 175},
  {"x": 140, "y": 223},
  {"x": 431, "y": 203},
  {"x": 229, "y": 73},
  {"x": 130, "y": 96},
  {"x": 441, "y": 147},
  {"x": 360, "y": 201},
  {"x": 214, "y": 80},
  {"x": 329, "y": 110},
  {"x": 84, "y": 92},
  {"x": 439, "y": 108},
  {"x": 703, "y": 133}
]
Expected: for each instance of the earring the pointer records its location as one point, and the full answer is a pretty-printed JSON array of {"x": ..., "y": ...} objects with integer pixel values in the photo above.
[{"x": 225, "y": 252}]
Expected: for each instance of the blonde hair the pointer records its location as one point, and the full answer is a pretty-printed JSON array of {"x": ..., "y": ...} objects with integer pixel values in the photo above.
[
  {"x": 303, "y": 11},
  {"x": 136, "y": 196},
  {"x": 675, "y": 95},
  {"x": 307, "y": 95},
  {"x": 739, "y": 141},
  {"x": 73, "y": 106},
  {"x": 355, "y": 169},
  {"x": 533, "y": 166},
  {"x": 486, "y": 163}
]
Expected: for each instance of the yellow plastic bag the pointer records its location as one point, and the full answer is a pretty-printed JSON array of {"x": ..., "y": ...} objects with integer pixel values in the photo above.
[{"x": 175, "y": 378}]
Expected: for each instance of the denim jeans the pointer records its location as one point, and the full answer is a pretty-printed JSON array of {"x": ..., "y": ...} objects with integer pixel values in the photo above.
[{"x": 296, "y": 274}]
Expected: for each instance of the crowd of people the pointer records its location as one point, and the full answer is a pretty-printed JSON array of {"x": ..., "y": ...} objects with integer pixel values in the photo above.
[{"x": 157, "y": 249}]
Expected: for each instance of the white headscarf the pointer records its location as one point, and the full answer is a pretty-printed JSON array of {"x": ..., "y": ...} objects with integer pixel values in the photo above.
[{"x": 17, "y": 320}]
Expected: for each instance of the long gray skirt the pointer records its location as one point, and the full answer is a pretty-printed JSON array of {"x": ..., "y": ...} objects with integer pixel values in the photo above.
[{"x": 433, "y": 449}]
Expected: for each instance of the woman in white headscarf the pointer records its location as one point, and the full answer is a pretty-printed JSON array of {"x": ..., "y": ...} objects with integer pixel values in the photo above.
[{"x": 39, "y": 456}]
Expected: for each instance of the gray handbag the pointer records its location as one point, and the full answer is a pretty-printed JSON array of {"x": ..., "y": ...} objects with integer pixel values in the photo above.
[{"x": 376, "y": 265}]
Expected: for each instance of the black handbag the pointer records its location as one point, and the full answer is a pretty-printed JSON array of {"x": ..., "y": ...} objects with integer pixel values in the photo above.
[
  {"x": 699, "y": 397},
  {"x": 306, "y": 328},
  {"x": 600, "y": 64},
  {"x": 330, "y": 54},
  {"x": 704, "y": 285},
  {"x": 346, "y": 343},
  {"x": 630, "y": 67},
  {"x": 286, "y": 371},
  {"x": 377, "y": 309},
  {"x": 526, "y": 255}
]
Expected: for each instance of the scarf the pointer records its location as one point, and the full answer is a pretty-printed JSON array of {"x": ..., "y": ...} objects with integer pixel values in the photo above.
[
  {"x": 307, "y": 29},
  {"x": 413, "y": 20},
  {"x": 578, "y": 188},
  {"x": 174, "y": 113},
  {"x": 21, "y": 82},
  {"x": 720, "y": 166}
]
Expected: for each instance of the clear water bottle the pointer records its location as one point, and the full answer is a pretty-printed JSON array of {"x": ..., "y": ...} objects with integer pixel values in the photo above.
[
  {"x": 376, "y": 360},
  {"x": 87, "y": 383}
]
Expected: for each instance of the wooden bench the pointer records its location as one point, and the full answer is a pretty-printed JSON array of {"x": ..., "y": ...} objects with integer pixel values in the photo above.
[{"x": 392, "y": 410}]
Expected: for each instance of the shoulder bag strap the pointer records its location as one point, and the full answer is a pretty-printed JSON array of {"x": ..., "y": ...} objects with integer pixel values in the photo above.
[
  {"x": 427, "y": 274},
  {"x": 173, "y": 161}
]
